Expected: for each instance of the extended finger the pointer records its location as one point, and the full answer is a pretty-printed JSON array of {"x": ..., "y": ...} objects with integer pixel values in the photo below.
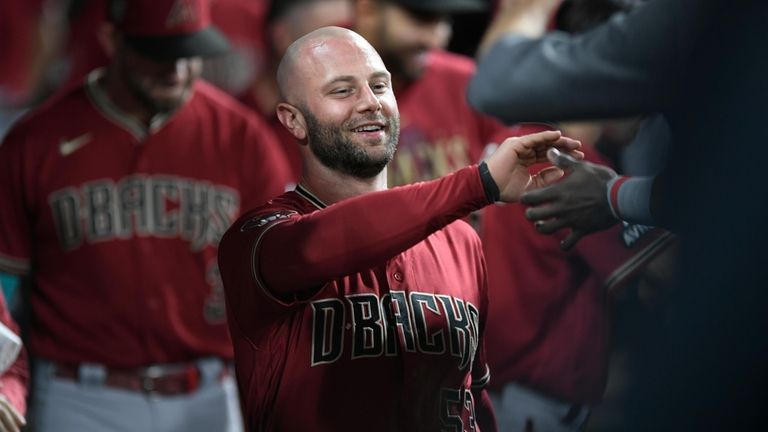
[
  {"x": 571, "y": 240},
  {"x": 537, "y": 141},
  {"x": 561, "y": 159},
  {"x": 549, "y": 226},
  {"x": 567, "y": 144},
  {"x": 7, "y": 422},
  {"x": 546, "y": 177},
  {"x": 541, "y": 196}
]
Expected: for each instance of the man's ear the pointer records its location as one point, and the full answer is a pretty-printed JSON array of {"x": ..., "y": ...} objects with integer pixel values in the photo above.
[
  {"x": 107, "y": 36},
  {"x": 293, "y": 120}
]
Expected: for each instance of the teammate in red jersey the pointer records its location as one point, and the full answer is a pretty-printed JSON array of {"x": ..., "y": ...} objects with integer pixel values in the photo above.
[
  {"x": 439, "y": 133},
  {"x": 352, "y": 306},
  {"x": 115, "y": 195}
]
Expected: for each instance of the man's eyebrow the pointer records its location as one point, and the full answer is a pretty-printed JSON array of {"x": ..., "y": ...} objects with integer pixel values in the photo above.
[
  {"x": 350, "y": 78},
  {"x": 338, "y": 79},
  {"x": 381, "y": 74}
]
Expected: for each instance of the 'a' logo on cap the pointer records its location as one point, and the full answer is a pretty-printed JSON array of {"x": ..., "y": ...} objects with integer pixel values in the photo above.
[{"x": 182, "y": 12}]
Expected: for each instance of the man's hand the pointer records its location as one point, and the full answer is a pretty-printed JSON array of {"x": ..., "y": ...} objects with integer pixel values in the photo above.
[
  {"x": 509, "y": 164},
  {"x": 10, "y": 419},
  {"x": 579, "y": 201}
]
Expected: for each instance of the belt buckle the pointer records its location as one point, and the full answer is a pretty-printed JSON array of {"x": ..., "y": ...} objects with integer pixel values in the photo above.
[{"x": 148, "y": 377}]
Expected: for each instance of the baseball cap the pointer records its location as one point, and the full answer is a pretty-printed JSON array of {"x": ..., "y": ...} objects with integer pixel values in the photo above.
[
  {"x": 168, "y": 29},
  {"x": 444, "y": 6}
]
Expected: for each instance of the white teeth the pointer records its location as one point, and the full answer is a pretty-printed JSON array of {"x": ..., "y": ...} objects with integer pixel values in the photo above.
[{"x": 369, "y": 128}]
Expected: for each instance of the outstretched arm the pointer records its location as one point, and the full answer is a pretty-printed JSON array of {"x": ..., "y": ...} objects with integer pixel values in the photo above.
[
  {"x": 623, "y": 67},
  {"x": 297, "y": 254}
]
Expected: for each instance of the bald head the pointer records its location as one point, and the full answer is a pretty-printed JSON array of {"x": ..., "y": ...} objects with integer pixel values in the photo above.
[{"x": 311, "y": 55}]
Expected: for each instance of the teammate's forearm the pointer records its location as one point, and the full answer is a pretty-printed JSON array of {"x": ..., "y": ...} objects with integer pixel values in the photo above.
[{"x": 362, "y": 232}]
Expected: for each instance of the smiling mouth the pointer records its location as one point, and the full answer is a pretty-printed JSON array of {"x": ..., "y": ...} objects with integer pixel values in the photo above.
[{"x": 368, "y": 128}]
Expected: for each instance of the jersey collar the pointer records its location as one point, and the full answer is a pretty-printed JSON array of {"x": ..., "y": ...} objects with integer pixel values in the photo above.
[
  {"x": 102, "y": 102},
  {"x": 307, "y": 195}
]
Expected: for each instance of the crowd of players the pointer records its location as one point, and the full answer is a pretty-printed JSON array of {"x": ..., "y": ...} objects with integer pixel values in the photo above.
[{"x": 136, "y": 132}]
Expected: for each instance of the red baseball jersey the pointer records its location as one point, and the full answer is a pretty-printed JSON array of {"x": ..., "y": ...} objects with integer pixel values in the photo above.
[
  {"x": 386, "y": 331},
  {"x": 120, "y": 226},
  {"x": 550, "y": 314},
  {"x": 439, "y": 132}
]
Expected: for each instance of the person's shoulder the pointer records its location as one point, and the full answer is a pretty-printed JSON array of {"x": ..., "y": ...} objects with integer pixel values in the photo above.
[
  {"x": 49, "y": 116},
  {"x": 285, "y": 206},
  {"x": 62, "y": 100}
]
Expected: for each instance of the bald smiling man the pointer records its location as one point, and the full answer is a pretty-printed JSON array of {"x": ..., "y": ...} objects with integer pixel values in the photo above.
[{"x": 353, "y": 306}]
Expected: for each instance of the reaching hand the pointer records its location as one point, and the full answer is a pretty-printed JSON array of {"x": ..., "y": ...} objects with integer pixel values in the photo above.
[
  {"x": 10, "y": 419},
  {"x": 579, "y": 201},
  {"x": 509, "y": 164}
]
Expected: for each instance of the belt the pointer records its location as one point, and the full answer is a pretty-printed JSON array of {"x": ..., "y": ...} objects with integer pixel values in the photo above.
[{"x": 166, "y": 380}]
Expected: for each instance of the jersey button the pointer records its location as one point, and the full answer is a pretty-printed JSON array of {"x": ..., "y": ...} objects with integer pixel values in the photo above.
[{"x": 398, "y": 276}]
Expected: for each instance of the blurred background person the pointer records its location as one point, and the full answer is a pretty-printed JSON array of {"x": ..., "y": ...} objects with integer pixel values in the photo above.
[
  {"x": 695, "y": 61},
  {"x": 552, "y": 312},
  {"x": 30, "y": 39},
  {"x": 116, "y": 192}
]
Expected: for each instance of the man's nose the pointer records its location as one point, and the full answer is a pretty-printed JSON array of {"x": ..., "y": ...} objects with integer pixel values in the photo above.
[{"x": 369, "y": 101}]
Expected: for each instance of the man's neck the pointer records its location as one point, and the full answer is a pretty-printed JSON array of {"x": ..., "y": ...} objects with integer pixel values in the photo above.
[
  {"x": 121, "y": 96},
  {"x": 331, "y": 186}
]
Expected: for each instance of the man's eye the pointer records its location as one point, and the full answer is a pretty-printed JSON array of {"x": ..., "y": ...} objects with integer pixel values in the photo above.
[
  {"x": 380, "y": 87},
  {"x": 341, "y": 91}
]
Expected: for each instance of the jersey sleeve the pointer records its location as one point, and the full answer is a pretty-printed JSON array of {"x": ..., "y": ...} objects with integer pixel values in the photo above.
[
  {"x": 14, "y": 220},
  {"x": 288, "y": 255},
  {"x": 362, "y": 232},
  {"x": 620, "y": 253}
]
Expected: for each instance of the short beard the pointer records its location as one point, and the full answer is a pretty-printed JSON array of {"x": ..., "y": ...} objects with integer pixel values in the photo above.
[
  {"x": 338, "y": 153},
  {"x": 150, "y": 103}
]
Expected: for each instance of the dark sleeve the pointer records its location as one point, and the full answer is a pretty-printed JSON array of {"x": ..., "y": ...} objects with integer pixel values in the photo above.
[
  {"x": 623, "y": 67},
  {"x": 303, "y": 252}
]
